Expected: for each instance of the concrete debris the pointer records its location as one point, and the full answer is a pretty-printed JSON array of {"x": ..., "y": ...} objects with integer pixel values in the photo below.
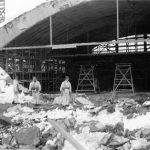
[
  {"x": 118, "y": 141},
  {"x": 7, "y": 96},
  {"x": 111, "y": 108},
  {"x": 84, "y": 101},
  {"x": 139, "y": 144},
  {"x": 29, "y": 136},
  {"x": 6, "y": 140},
  {"x": 46, "y": 147},
  {"x": 5, "y": 120},
  {"x": 104, "y": 127},
  {"x": 14, "y": 108},
  {"x": 126, "y": 146},
  {"x": 58, "y": 100},
  {"x": 27, "y": 147},
  {"x": 146, "y": 103},
  {"x": 26, "y": 109},
  {"x": 105, "y": 140}
]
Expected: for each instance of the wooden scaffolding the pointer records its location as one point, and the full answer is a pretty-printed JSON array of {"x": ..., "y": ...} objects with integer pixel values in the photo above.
[
  {"x": 123, "y": 81},
  {"x": 86, "y": 81},
  {"x": 26, "y": 63}
]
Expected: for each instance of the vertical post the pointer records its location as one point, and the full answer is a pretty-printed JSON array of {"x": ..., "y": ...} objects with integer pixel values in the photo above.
[
  {"x": 15, "y": 64},
  {"x": 117, "y": 48},
  {"x": 145, "y": 43},
  {"x": 87, "y": 39},
  {"x": 51, "y": 35},
  {"x": 67, "y": 37},
  {"x": 117, "y": 1},
  {"x": 6, "y": 65}
]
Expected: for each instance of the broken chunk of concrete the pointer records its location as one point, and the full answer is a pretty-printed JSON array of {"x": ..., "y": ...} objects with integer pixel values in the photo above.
[
  {"x": 126, "y": 146},
  {"x": 145, "y": 132},
  {"x": 14, "y": 108},
  {"x": 97, "y": 127},
  {"x": 72, "y": 121},
  {"x": 67, "y": 123},
  {"x": 29, "y": 136},
  {"x": 119, "y": 129},
  {"x": 62, "y": 124},
  {"x": 146, "y": 103},
  {"x": 9, "y": 141},
  {"x": 47, "y": 147},
  {"x": 5, "y": 120},
  {"x": 118, "y": 140},
  {"x": 27, "y": 147},
  {"x": 139, "y": 144},
  {"x": 106, "y": 139},
  {"x": 6, "y": 140}
]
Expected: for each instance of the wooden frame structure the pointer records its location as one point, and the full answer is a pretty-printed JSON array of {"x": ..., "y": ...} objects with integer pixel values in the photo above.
[
  {"x": 86, "y": 81},
  {"x": 123, "y": 81}
]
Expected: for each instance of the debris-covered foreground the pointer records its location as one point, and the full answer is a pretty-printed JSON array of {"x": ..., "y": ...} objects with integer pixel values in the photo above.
[{"x": 122, "y": 125}]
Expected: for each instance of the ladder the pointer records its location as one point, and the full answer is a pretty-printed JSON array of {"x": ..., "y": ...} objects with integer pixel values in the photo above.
[
  {"x": 123, "y": 81},
  {"x": 86, "y": 81}
]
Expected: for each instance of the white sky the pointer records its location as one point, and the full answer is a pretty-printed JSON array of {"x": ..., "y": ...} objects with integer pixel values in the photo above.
[{"x": 14, "y": 8}]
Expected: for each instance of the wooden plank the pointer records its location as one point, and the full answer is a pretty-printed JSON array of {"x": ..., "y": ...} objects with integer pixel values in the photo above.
[{"x": 77, "y": 145}]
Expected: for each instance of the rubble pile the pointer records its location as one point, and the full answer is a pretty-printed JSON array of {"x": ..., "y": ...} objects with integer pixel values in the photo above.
[{"x": 122, "y": 125}]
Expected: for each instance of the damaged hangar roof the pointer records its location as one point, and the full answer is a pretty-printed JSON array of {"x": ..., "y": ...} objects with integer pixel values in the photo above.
[{"x": 76, "y": 21}]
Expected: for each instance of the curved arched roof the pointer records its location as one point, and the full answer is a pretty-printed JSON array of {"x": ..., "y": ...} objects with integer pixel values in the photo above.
[{"x": 89, "y": 21}]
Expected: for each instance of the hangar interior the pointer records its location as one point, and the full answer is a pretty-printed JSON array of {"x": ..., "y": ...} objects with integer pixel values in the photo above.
[{"x": 84, "y": 34}]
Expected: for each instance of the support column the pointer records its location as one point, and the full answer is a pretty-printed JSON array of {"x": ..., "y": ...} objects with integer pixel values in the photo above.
[
  {"x": 87, "y": 40},
  {"x": 117, "y": 19},
  {"x": 51, "y": 34},
  {"x": 6, "y": 63},
  {"x": 145, "y": 43},
  {"x": 117, "y": 49}
]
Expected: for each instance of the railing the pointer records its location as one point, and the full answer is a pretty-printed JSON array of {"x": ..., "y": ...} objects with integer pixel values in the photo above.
[{"x": 129, "y": 44}]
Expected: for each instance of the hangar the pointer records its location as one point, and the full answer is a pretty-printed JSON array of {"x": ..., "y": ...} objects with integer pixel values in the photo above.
[{"x": 57, "y": 37}]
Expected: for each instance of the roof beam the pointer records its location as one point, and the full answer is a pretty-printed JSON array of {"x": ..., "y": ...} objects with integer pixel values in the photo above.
[{"x": 74, "y": 45}]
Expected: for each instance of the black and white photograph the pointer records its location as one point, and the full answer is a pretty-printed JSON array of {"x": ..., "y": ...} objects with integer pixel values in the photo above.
[{"x": 74, "y": 74}]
